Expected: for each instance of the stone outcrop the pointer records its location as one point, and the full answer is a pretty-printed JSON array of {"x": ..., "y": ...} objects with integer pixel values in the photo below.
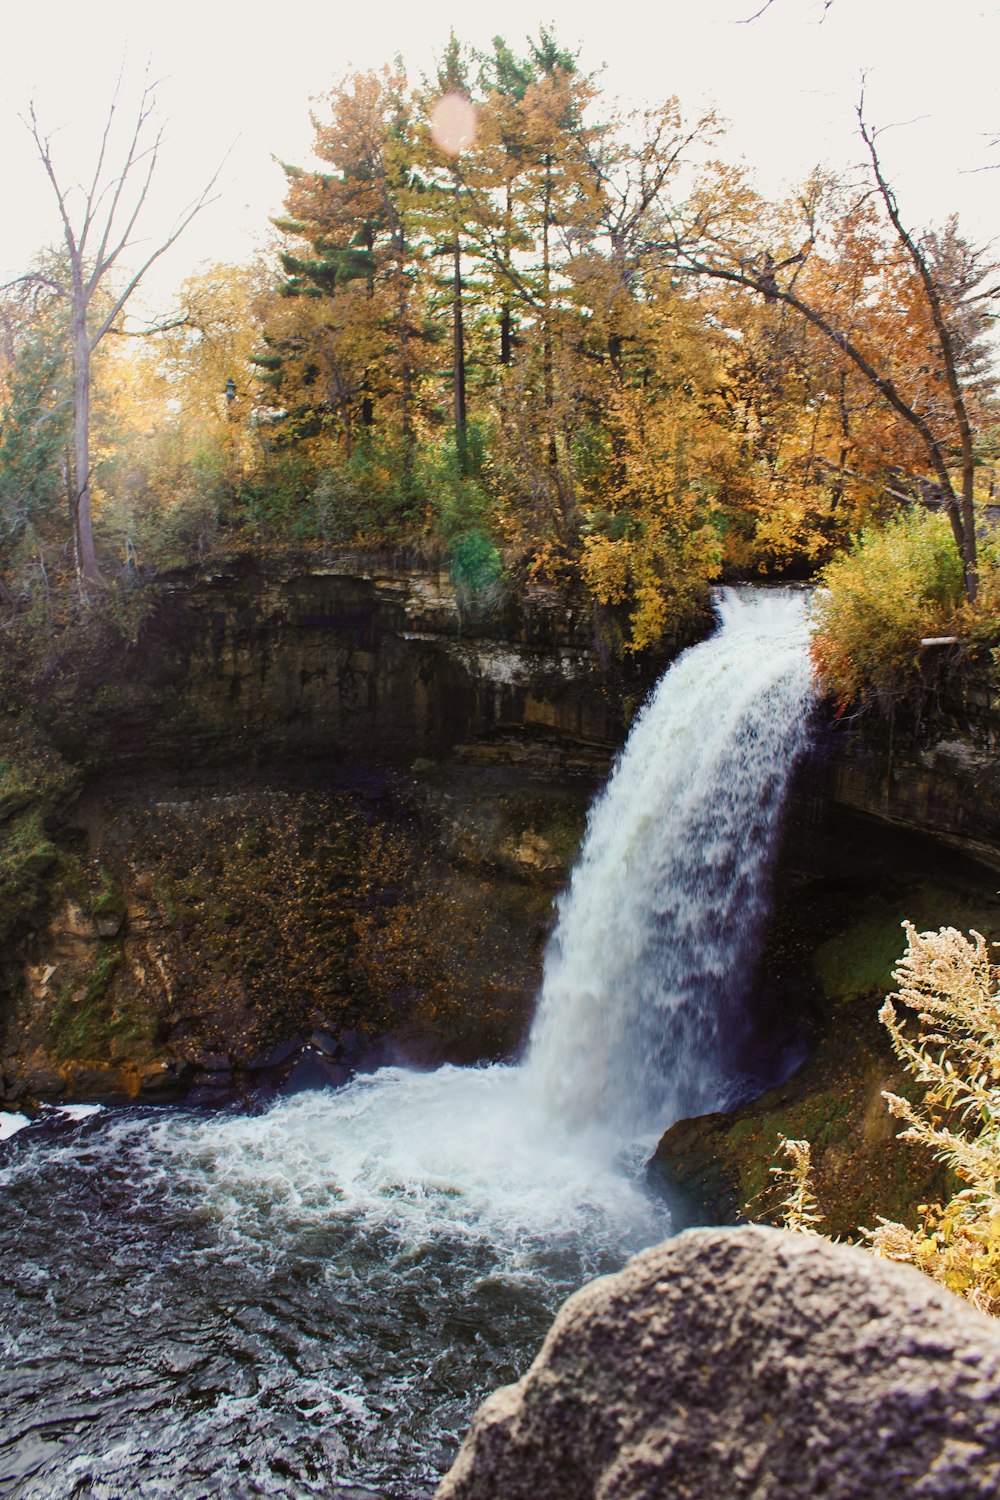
[
  {"x": 213, "y": 732},
  {"x": 937, "y": 773},
  {"x": 358, "y": 658},
  {"x": 747, "y": 1363},
  {"x": 228, "y": 936}
]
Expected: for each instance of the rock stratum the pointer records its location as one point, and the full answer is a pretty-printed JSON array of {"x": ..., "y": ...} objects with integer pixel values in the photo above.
[{"x": 747, "y": 1363}]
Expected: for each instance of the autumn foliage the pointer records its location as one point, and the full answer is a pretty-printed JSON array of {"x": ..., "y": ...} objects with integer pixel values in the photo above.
[
  {"x": 944, "y": 1026},
  {"x": 571, "y": 346}
]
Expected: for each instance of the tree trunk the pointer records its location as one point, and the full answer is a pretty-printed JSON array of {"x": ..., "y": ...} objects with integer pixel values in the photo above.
[
  {"x": 459, "y": 329},
  {"x": 81, "y": 447},
  {"x": 548, "y": 374},
  {"x": 506, "y": 314}
]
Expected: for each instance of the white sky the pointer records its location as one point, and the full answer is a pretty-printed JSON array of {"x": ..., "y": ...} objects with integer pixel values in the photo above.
[{"x": 247, "y": 71}]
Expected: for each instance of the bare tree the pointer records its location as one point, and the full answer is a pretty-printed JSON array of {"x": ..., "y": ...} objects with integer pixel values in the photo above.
[{"x": 97, "y": 236}]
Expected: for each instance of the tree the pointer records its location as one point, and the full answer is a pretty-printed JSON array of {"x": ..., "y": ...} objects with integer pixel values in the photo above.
[
  {"x": 170, "y": 446},
  {"x": 930, "y": 395},
  {"x": 35, "y": 408},
  {"x": 96, "y": 238},
  {"x": 354, "y": 228},
  {"x": 452, "y": 130}
]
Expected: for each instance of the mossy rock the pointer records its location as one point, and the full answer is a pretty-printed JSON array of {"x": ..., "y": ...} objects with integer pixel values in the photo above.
[
  {"x": 34, "y": 782},
  {"x": 93, "y": 1023}
]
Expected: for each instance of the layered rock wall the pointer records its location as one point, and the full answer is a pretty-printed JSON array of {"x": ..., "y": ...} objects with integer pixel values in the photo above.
[
  {"x": 358, "y": 660},
  {"x": 938, "y": 775}
]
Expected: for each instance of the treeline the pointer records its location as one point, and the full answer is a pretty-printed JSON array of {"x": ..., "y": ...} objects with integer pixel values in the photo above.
[{"x": 507, "y": 321}]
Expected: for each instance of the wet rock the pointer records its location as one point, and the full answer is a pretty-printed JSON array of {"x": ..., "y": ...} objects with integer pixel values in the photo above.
[
  {"x": 38, "y": 1077},
  {"x": 747, "y": 1363},
  {"x": 213, "y": 1062},
  {"x": 164, "y": 1082},
  {"x": 94, "y": 1083},
  {"x": 324, "y": 1042},
  {"x": 314, "y": 1071},
  {"x": 279, "y": 1054}
]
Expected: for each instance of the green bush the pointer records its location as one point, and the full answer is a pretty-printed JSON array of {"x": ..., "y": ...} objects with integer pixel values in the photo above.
[
  {"x": 876, "y": 603},
  {"x": 476, "y": 565},
  {"x": 365, "y": 497}
]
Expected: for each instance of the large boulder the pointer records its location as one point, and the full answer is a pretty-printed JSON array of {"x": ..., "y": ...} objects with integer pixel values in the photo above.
[{"x": 747, "y": 1362}]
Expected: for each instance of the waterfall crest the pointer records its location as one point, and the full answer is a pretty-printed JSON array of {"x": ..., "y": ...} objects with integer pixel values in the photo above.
[{"x": 658, "y": 932}]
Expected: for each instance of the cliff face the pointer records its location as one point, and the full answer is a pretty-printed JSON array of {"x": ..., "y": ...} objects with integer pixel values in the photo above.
[
  {"x": 269, "y": 870},
  {"x": 937, "y": 775},
  {"x": 358, "y": 726},
  {"x": 356, "y": 661}
]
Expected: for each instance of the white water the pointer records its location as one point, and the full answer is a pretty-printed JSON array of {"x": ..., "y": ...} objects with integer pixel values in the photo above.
[
  {"x": 465, "y": 1153},
  {"x": 643, "y": 987},
  {"x": 658, "y": 933},
  {"x": 641, "y": 1004}
]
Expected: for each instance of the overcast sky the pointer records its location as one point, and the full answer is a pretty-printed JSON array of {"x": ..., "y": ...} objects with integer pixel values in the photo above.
[{"x": 246, "y": 73}]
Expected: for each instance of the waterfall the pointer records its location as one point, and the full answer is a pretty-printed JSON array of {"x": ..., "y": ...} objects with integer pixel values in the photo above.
[{"x": 657, "y": 935}]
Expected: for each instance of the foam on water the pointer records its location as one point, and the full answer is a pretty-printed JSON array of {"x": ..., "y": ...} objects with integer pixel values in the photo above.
[{"x": 469, "y": 1153}]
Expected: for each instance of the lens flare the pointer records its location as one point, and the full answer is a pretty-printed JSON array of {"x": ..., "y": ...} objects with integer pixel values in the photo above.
[{"x": 453, "y": 124}]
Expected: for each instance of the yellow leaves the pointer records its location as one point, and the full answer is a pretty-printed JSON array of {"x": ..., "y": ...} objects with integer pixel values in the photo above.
[
  {"x": 945, "y": 978},
  {"x": 606, "y": 566},
  {"x": 879, "y": 600}
]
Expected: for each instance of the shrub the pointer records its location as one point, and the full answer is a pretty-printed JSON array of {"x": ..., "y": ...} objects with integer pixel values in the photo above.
[
  {"x": 877, "y": 602},
  {"x": 947, "y": 981},
  {"x": 951, "y": 1048},
  {"x": 476, "y": 564}
]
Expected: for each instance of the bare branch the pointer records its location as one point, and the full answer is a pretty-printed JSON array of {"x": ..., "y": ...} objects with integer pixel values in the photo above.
[
  {"x": 747, "y": 20},
  {"x": 103, "y": 260},
  {"x": 107, "y": 258},
  {"x": 203, "y": 199},
  {"x": 35, "y": 278},
  {"x": 965, "y": 531},
  {"x": 45, "y": 155},
  {"x": 183, "y": 320},
  {"x": 89, "y": 206}
]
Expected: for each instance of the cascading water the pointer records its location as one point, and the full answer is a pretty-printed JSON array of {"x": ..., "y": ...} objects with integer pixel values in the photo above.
[
  {"x": 657, "y": 936},
  {"x": 313, "y": 1298}
]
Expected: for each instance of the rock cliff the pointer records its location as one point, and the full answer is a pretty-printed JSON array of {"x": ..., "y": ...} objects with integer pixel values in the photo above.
[
  {"x": 268, "y": 870},
  {"x": 362, "y": 657},
  {"x": 256, "y": 690}
]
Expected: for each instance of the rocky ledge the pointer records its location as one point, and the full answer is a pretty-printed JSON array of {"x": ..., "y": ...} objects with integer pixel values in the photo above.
[{"x": 747, "y": 1363}]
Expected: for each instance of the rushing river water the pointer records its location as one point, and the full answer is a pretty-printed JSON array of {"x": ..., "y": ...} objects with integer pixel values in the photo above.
[{"x": 312, "y": 1299}]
